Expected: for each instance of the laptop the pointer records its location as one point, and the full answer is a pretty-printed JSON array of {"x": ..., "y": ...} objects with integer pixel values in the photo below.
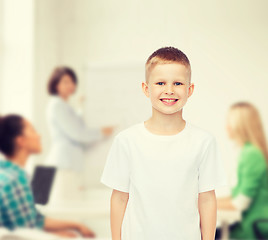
[{"x": 42, "y": 182}]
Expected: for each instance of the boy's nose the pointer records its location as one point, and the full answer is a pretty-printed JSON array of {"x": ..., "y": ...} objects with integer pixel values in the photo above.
[{"x": 169, "y": 89}]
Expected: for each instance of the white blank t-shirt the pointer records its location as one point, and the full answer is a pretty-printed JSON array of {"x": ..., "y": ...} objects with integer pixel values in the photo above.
[{"x": 163, "y": 175}]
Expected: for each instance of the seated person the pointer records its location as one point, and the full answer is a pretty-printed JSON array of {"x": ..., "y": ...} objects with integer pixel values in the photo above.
[
  {"x": 18, "y": 140},
  {"x": 250, "y": 195}
]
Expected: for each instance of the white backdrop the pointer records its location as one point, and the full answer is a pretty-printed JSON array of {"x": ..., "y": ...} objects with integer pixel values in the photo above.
[
  {"x": 113, "y": 97},
  {"x": 226, "y": 42}
]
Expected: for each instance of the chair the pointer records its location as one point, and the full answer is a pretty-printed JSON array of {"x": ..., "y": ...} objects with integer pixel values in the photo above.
[{"x": 260, "y": 233}]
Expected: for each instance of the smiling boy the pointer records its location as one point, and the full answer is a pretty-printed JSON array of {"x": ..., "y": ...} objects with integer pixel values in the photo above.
[{"x": 164, "y": 171}]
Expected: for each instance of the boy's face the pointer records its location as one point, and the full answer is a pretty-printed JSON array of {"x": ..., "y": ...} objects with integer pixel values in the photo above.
[{"x": 168, "y": 87}]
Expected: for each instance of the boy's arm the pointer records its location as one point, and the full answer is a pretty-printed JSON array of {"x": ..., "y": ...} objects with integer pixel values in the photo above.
[
  {"x": 119, "y": 202},
  {"x": 207, "y": 206}
]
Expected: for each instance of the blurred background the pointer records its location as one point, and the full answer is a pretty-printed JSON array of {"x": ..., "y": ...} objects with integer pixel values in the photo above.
[{"x": 107, "y": 44}]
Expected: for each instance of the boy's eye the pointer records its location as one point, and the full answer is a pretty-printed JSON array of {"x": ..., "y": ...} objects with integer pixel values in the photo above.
[{"x": 176, "y": 83}]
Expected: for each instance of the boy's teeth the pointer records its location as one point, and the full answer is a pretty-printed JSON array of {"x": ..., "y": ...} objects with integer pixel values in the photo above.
[{"x": 167, "y": 100}]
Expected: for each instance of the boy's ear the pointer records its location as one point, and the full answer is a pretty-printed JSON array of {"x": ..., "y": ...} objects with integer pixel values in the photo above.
[
  {"x": 191, "y": 90},
  {"x": 145, "y": 89}
]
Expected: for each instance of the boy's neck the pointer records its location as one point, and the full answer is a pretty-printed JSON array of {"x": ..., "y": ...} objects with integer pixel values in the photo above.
[{"x": 165, "y": 123}]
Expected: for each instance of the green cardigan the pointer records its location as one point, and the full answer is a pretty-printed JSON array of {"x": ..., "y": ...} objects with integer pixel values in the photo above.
[{"x": 253, "y": 182}]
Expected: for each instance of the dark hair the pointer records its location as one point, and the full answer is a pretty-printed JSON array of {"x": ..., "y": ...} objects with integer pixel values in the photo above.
[
  {"x": 11, "y": 126},
  {"x": 56, "y": 76},
  {"x": 167, "y": 55}
]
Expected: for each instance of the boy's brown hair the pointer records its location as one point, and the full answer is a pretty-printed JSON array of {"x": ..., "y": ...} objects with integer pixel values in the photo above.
[{"x": 166, "y": 55}]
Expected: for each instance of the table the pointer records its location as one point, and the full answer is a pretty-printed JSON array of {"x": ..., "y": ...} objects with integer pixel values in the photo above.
[
  {"x": 98, "y": 206},
  {"x": 226, "y": 218}
]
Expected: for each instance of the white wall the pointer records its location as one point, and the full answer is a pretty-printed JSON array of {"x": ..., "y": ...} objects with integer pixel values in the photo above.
[
  {"x": 16, "y": 91},
  {"x": 47, "y": 50},
  {"x": 225, "y": 41},
  {"x": 1, "y": 39}
]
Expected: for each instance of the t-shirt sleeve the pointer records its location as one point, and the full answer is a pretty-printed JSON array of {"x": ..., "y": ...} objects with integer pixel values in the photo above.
[
  {"x": 117, "y": 168},
  {"x": 211, "y": 173},
  {"x": 252, "y": 170}
]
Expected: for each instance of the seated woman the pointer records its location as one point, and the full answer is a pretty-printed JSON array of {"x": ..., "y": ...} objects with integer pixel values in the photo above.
[
  {"x": 18, "y": 140},
  {"x": 250, "y": 195}
]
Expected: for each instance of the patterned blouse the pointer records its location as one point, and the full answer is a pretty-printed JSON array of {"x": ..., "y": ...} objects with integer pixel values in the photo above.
[{"x": 17, "y": 207}]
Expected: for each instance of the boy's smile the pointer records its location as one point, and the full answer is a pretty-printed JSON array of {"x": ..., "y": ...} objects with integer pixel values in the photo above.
[
  {"x": 169, "y": 101},
  {"x": 168, "y": 87}
]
